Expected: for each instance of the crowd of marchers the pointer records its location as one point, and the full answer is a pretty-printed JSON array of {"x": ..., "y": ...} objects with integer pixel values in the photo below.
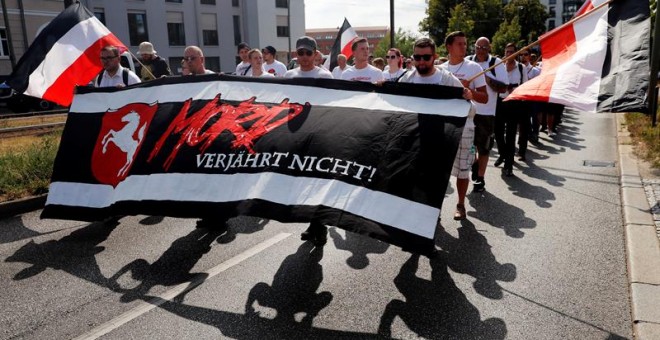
[{"x": 486, "y": 81}]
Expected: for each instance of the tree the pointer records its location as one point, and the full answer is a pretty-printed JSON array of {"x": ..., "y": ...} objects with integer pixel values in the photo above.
[
  {"x": 509, "y": 31},
  {"x": 486, "y": 15},
  {"x": 403, "y": 40},
  {"x": 460, "y": 20},
  {"x": 531, "y": 16}
]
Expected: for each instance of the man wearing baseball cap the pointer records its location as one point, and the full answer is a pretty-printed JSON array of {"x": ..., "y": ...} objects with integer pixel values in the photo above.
[
  {"x": 153, "y": 66},
  {"x": 305, "y": 50},
  {"x": 272, "y": 65}
]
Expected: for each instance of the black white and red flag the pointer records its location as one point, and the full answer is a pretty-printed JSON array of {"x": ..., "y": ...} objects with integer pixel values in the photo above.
[
  {"x": 343, "y": 45},
  {"x": 368, "y": 159},
  {"x": 597, "y": 63},
  {"x": 65, "y": 54}
]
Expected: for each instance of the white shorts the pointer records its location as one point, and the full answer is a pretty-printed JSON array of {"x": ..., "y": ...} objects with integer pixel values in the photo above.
[{"x": 466, "y": 151}]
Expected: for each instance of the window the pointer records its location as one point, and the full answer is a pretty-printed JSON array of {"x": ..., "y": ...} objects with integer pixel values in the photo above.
[
  {"x": 282, "y": 3},
  {"x": 237, "y": 30},
  {"x": 176, "y": 1},
  {"x": 4, "y": 44},
  {"x": 552, "y": 2},
  {"x": 100, "y": 14},
  {"x": 175, "y": 33},
  {"x": 207, "y": 2},
  {"x": 552, "y": 12},
  {"x": 282, "y": 26},
  {"x": 212, "y": 63},
  {"x": 551, "y": 24},
  {"x": 137, "y": 28},
  {"x": 234, "y": 3},
  {"x": 209, "y": 29}
]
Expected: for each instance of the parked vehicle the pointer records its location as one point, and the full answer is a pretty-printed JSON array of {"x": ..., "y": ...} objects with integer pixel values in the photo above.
[{"x": 19, "y": 103}]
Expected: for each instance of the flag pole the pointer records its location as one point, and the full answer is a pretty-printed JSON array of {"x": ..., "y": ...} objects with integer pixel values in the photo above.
[
  {"x": 543, "y": 37},
  {"x": 141, "y": 64}
]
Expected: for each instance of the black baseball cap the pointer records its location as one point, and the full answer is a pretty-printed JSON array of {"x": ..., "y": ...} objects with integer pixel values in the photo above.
[{"x": 306, "y": 42}]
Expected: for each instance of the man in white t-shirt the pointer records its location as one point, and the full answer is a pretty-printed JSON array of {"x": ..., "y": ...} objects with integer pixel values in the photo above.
[
  {"x": 194, "y": 58},
  {"x": 341, "y": 66},
  {"x": 484, "y": 121},
  {"x": 306, "y": 50},
  {"x": 244, "y": 66},
  {"x": 362, "y": 71},
  {"x": 272, "y": 65},
  {"x": 113, "y": 74},
  {"x": 469, "y": 73}
]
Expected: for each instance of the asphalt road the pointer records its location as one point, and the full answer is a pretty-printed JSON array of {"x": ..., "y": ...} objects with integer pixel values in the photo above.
[{"x": 541, "y": 256}]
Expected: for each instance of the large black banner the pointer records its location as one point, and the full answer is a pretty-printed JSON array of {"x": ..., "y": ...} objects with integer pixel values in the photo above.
[{"x": 369, "y": 159}]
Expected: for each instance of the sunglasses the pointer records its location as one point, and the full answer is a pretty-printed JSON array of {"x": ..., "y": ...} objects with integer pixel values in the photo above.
[
  {"x": 189, "y": 59},
  {"x": 109, "y": 58},
  {"x": 304, "y": 52},
  {"x": 419, "y": 57},
  {"x": 390, "y": 57},
  {"x": 481, "y": 47}
]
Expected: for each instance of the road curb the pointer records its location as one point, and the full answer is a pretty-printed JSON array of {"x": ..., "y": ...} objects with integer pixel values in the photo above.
[
  {"x": 642, "y": 245},
  {"x": 12, "y": 208}
]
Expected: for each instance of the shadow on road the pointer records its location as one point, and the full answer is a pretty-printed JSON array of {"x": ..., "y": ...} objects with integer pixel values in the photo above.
[
  {"x": 74, "y": 254},
  {"x": 14, "y": 230},
  {"x": 519, "y": 187},
  {"x": 171, "y": 268},
  {"x": 359, "y": 246},
  {"x": 242, "y": 225},
  {"x": 436, "y": 309},
  {"x": 471, "y": 254},
  {"x": 499, "y": 214}
]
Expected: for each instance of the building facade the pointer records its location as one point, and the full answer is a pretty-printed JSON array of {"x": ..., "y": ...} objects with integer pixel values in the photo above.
[
  {"x": 216, "y": 26},
  {"x": 560, "y": 11},
  {"x": 325, "y": 37}
]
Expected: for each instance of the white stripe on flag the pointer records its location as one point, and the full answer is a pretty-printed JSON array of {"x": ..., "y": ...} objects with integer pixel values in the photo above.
[
  {"x": 268, "y": 93},
  {"x": 64, "y": 53},
  {"x": 577, "y": 83},
  {"x": 378, "y": 206}
]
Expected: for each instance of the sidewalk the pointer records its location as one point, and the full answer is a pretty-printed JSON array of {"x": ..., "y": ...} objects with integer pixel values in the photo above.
[{"x": 640, "y": 190}]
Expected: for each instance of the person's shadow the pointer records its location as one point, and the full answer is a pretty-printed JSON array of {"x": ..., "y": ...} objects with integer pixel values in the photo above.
[
  {"x": 242, "y": 225},
  {"x": 293, "y": 291},
  {"x": 12, "y": 229},
  {"x": 74, "y": 254},
  {"x": 471, "y": 254},
  {"x": 171, "y": 268},
  {"x": 359, "y": 246},
  {"x": 540, "y": 195},
  {"x": 436, "y": 309},
  {"x": 492, "y": 210}
]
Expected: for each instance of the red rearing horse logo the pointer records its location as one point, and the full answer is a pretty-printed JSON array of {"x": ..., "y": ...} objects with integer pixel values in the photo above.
[{"x": 122, "y": 133}]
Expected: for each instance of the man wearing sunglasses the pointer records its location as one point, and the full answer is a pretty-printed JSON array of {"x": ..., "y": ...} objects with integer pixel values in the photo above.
[
  {"x": 194, "y": 59},
  {"x": 113, "y": 74},
  {"x": 306, "y": 51},
  {"x": 362, "y": 70}
]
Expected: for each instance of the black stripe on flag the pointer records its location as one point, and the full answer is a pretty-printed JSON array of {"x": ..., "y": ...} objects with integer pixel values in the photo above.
[{"x": 49, "y": 35}]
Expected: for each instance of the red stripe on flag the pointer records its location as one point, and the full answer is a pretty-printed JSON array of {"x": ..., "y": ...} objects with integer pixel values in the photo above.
[
  {"x": 557, "y": 49},
  {"x": 81, "y": 72}
]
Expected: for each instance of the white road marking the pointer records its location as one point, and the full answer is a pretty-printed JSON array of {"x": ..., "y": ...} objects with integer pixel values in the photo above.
[{"x": 145, "y": 306}]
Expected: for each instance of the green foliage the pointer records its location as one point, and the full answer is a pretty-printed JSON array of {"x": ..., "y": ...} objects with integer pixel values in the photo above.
[
  {"x": 460, "y": 20},
  {"x": 485, "y": 16},
  {"x": 403, "y": 40},
  {"x": 26, "y": 172},
  {"x": 509, "y": 31},
  {"x": 531, "y": 18}
]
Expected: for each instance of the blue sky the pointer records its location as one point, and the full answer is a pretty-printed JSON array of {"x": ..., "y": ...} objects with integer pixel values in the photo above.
[{"x": 331, "y": 13}]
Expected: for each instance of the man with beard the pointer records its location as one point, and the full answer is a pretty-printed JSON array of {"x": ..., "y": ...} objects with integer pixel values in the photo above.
[
  {"x": 426, "y": 73},
  {"x": 153, "y": 66}
]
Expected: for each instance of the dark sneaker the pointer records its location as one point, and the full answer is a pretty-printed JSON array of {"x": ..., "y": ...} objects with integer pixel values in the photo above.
[
  {"x": 499, "y": 161},
  {"x": 508, "y": 171},
  {"x": 479, "y": 185}
]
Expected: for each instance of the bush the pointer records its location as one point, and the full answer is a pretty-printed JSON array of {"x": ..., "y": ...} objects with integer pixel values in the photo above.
[{"x": 26, "y": 171}]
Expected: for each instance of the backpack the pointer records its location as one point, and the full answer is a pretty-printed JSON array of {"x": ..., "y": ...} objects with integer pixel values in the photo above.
[
  {"x": 491, "y": 62},
  {"x": 124, "y": 77}
]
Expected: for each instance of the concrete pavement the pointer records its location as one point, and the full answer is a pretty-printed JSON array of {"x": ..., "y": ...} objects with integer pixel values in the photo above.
[
  {"x": 642, "y": 249},
  {"x": 642, "y": 245}
]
